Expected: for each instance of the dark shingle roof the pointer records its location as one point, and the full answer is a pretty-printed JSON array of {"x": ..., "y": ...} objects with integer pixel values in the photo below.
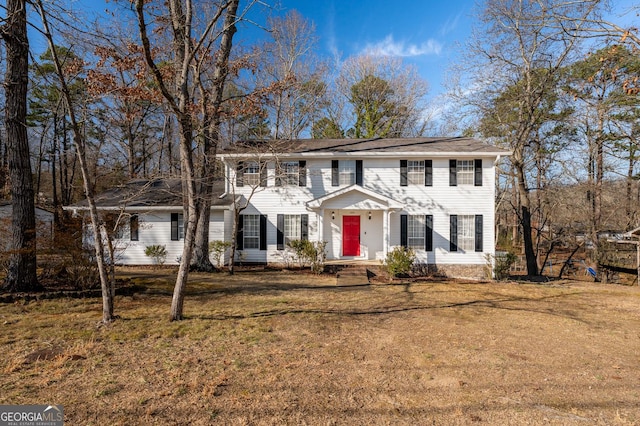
[
  {"x": 376, "y": 145},
  {"x": 152, "y": 193}
]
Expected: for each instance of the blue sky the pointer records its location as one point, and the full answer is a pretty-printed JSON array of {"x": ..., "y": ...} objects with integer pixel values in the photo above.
[{"x": 423, "y": 32}]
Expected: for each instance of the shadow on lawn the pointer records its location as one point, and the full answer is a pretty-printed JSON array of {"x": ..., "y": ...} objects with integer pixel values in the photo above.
[{"x": 513, "y": 303}]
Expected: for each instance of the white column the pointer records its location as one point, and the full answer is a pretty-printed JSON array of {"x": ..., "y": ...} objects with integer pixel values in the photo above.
[
  {"x": 320, "y": 216},
  {"x": 385, "y": 233}
]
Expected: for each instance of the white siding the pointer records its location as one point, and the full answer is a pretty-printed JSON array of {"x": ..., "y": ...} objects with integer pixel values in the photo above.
[
  {"x": 155, "y": 229},
  {"x": 379, "y": 175},
  {"x": 382, "y": 176}
]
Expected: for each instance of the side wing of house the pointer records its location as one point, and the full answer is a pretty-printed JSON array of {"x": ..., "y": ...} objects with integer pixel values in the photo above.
[{"x": 165, "y": 227}]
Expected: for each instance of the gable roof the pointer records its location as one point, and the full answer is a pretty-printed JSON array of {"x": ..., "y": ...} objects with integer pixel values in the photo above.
[
  {"x": 140, "y": 194},
  {"x": 364, "y": 147},
  {"x": 365, "y": 194}
]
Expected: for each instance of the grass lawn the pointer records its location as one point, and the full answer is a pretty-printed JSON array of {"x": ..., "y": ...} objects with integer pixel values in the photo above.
[{"x": 272, "y": 348}]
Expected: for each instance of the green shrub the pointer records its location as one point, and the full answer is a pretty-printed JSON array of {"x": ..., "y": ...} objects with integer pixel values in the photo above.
[
  {"x": 217, "y": 249},
  {"x": 157, "y": 252},
  {"x": 310, "y": 253},
  {"x": 399, "y": 261},
  {"x": 501, "y": 264}
]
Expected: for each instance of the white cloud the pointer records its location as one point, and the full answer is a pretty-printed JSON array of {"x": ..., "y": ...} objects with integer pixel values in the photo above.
[{"x": 390, "y": 47}]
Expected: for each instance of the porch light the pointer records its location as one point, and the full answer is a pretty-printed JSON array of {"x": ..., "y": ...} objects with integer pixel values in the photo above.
[
  {"x": 369, "y": 215},
  {"x": 333, "y": 215}
]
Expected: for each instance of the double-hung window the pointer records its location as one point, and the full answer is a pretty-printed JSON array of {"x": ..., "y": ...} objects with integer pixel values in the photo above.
[
  {"x": 415, "y": 172},
  {"x": 291, "y": 227},
  {"x": 416, "y": 231},
  {"x": 290, "y": 172},
  {"x": 251, "y": 173},
  {"x": 347, "y": 172},
  {"x": 251, "y": 231},
  {"x": 177, "y": 226},
  {"x": 466, "y": 233},
  {"x": 465, "y": 172}
]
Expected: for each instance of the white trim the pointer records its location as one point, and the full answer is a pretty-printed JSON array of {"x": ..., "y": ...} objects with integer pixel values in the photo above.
[
  {"x": 360, "y": 154},
  {"x": 391, "y": 203}
]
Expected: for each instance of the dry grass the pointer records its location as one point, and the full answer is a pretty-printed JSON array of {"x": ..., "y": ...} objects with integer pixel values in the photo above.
[{"x": 271, "y": 348}]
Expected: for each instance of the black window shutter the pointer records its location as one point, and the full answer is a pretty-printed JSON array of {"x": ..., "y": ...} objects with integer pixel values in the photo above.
[
  {"x": 428, "y": 173},
  {"x": 133, "y": 227},
  {"x": 302, "y": 173},
  {"x": 280, "y": 226},
  {"x": 263, "y": 232},
  {"x": 478, "y": 232},
  {"x": 359, "y": 172},
  {"x": 477, "y": 176},
  {"x": 335, "y": 177},
  {"x": 263, "y": 174},
  {"x": 403, "y": 230},
  {"x": 304, "y": 224},
  {"x": 240, "y": 174},
  {"x": 174, "y": 226},
  {"x": 239, "y": 233},
  {"x": 428, "y": 232},
  {"x": 403, "y": 172},
  {"x": 453, "y": 232},
  {"x": 453, "y": 175}
]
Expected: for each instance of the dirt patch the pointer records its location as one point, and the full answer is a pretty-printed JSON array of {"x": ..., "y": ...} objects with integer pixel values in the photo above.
[{"x": 266, "y": 348}]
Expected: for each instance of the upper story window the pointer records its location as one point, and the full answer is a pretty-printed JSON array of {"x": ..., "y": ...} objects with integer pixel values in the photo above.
[
  {"x": 251, "y": 173},
  {"x": 290, "y": 172},
  {"x": 346, "y": 172},
  {"x": 416, "y": 172},
  {"x": 465, "y": 172},
  {"x": 464, "y": 169}
]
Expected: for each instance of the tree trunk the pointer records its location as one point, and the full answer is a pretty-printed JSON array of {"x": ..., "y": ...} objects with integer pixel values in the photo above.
[
  {"x": 211, "y": 134},
  {"x": 21, "y": 275},
  {"x": 79, "y": 142}
]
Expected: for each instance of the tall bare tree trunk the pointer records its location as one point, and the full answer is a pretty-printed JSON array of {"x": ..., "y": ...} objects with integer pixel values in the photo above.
[
  {"x": 80, "y": 145},
  {"x": 22, "y": 266},
  {"x": 211, "y": 133}
]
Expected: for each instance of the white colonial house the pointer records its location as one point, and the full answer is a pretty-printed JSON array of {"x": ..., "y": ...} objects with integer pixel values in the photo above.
[{"x": 362, "y": 196}]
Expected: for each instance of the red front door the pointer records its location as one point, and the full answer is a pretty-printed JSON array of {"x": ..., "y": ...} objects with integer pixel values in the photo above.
[{"x": 351, "y": 235}]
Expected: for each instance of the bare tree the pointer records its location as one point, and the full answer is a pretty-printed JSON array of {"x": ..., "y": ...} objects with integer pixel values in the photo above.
[
  {"x": 519, "y": 51},
  {"x": 107, "y": 286},
  {"x": 186, "y": 47},
  {"x": 22, "y": 267}
]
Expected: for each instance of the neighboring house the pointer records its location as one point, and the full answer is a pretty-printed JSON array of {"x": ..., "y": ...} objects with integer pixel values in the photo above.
[
  {"x": 44, "y": 226},
  {"x": 361, "y": 196}
]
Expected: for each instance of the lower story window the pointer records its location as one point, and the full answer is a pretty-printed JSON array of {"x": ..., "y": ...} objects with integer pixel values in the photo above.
[
  {"x": 292, "y": 227},
  {"x": 416, "y": 231},
  {"x": 251, "y": 231},
  {"x": 466, "y": 232},
  {"x": 177, "y": 226}
]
